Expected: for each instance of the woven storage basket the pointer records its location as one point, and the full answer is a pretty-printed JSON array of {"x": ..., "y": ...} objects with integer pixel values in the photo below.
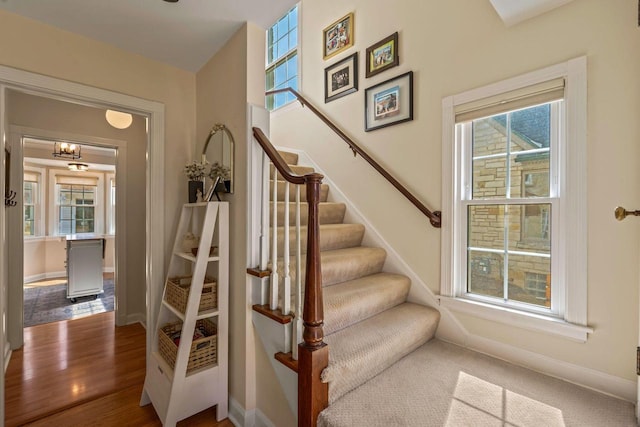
[
  {"x": 178, "y": 289},
  {"x": 203, "y": 350}
]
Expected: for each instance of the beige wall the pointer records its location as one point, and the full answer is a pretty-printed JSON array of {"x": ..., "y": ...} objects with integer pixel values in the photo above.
[
  {"x": 458, "y": 45},
  {"x": 32, "y": 46},
  {"x": 224, "y": 87}
]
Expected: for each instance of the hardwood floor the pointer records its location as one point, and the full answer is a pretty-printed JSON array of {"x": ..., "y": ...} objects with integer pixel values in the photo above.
[{"x": 83, "y": 372}]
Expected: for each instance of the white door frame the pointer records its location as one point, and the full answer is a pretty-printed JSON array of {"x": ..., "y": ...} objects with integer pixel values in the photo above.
[
  {"x": 11, "y": 78},
  {"x": 16, "y": 238}
]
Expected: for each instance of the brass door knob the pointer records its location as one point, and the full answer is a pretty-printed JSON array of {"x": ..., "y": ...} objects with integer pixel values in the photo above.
[{"x": 621, "y": 213}]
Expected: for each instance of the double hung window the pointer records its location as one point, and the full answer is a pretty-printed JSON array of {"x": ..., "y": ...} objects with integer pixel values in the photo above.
[
  {"x": 282, "y": 59},
  {"x": 516, "y": 239}
]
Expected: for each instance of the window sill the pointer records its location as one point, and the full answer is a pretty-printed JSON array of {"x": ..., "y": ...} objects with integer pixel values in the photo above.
[{"x": 520, "y": 319}]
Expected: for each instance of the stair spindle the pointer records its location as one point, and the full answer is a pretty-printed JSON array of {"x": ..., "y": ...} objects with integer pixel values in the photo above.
[
  {"x": 286, "y": 303},
  {"x": 264, "y": 226},
  {"x": 296, "y": 335},
  {"x": 273, "y": 304}
]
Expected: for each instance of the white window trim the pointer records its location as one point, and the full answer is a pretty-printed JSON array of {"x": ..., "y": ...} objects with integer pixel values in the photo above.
[
  {"x": 54, "y": 213},
  {"x": 297, "y": 49},
  {"x": 572, "y": 240},
  {"x": 41, "y": 202},
  {"x": 110, "y": 223}
]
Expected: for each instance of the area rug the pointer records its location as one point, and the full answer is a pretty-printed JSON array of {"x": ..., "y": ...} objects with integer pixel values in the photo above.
[{"x": 45, "y": 304}]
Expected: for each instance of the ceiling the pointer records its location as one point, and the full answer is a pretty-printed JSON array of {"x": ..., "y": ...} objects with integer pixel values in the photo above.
[
  {"x": 188, "y": 33},
  {"x": 185, "y": 34}
]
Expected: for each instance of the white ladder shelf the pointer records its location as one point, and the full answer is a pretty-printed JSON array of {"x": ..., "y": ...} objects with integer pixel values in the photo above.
[{"x": 176, "y": 394}]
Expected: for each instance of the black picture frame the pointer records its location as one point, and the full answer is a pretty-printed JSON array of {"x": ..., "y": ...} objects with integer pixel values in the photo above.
[
  {"x": 382, "y": 55},
  {"x": 389, "y": 103},
  {"x": 341, "y": 78}
]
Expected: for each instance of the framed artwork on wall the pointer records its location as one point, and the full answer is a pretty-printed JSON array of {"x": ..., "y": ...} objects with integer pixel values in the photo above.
[
  {"x": 389, "y": 103},
  {"x": 341, "y": 78},
  {"x": 382, "y": 55},
  {"x": 338, "y": 36}
]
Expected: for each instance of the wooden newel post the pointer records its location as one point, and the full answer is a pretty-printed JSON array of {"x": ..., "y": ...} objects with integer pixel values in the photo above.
[{"x": 313, "y": 353}]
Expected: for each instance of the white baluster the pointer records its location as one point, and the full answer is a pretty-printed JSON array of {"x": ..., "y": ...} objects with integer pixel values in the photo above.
[
  {"x": 296, "y": 335},
  {"x": 286, "y": 283},
  {"x": 273, "y": 304},
  {"x": 264, "y": 226}
]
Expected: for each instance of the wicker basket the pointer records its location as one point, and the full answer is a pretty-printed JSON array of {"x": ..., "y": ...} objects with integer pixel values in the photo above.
[
  {"x": 178, "y": 288},
  {"x": 203, "y": 350}
]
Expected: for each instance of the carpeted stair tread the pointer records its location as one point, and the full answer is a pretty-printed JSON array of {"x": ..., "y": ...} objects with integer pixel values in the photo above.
[
  {"x": 296, "y": 169},
  {"x": 341, "y": 265},
  {"x": 350, "y": 302},
  {"x": 324, "y": 192},
  {"x": 329, "y": 213},
  {"x": 362, "y": 351},
  {"x": 288, "y": 157},
  {"x": 332, "y": 236}
]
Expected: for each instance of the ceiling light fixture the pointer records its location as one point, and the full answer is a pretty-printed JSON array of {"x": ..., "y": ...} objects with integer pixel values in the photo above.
[
  {"x": 119, "y": 120},
  {"x": 66, "y": 150},
  {"x": 78, "y": 167}
]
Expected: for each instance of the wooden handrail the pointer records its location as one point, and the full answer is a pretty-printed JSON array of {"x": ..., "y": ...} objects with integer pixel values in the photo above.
[
  {"x": 313, "y": 352},
  {"x": 434, "y": 217}
]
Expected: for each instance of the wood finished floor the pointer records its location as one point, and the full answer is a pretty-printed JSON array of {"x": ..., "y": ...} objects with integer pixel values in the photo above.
[{"x": 83, "y": 372}]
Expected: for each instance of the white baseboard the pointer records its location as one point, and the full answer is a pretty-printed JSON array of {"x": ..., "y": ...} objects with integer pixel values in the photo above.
[
  {"x": 109, "y": 270},
  {"x": 136, "y": 318},
  {"x": 575, "y": 374},
  {"x": 35, "y": 278},
  {"x": 241, "y": 418}
]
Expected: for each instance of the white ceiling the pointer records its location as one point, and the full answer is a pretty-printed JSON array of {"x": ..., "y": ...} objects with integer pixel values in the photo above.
[
  {"x": 184, "y": 34},
  {"x": 515, "y": 11}
]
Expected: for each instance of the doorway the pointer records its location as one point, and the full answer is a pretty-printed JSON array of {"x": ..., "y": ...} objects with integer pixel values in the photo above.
[
  {"x": 69, "y": 228},
  {"x": 153, "y": 185}
]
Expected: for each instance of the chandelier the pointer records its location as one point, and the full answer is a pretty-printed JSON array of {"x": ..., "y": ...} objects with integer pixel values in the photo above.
[{"x": 66, "y": 150}]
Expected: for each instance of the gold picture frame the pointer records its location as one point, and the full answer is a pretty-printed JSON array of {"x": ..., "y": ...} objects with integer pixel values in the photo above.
[{"x": 338, "y": 36}]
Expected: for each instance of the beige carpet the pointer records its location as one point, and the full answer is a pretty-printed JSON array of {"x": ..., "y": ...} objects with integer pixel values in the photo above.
[{"x": 441, "y": 384}]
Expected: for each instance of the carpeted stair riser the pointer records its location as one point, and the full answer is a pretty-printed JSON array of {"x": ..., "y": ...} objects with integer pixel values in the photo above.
[
  {"x": 324, "y": 192},
  {"x": 362, "y": 351},
  {"x": 348, "y": 303},
  {"x": 332, "y": 236},
  {"x": 329, "y": 213},
  {"x": 289, "y": 158},
  {"x": 342, "y": 265}
]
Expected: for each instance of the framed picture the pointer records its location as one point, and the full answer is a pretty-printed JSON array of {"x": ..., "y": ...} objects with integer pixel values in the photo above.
[
  {"x": 389, "y": 103},
  {"x": 382, "y": 55},
  {"x": 337, "y": 36},
  {"x": 341, "y": 79}
]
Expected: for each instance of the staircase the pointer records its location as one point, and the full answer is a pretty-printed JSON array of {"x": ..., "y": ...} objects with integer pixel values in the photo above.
[{"x": 368, "y": 323}]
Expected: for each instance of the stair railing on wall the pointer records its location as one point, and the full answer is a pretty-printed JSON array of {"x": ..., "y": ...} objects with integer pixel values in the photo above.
[
  {"x": 434, "y": 217},
  {"x": 308, "y": 348}
]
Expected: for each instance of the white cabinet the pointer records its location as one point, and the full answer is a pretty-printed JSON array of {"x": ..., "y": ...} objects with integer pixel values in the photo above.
[
  {"x": 188, "y": 372},
  {"x": 85, "y": 256}
]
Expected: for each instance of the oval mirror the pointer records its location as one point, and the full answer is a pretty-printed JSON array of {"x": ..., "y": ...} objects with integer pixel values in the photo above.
[{"x": 219, "y": 148}]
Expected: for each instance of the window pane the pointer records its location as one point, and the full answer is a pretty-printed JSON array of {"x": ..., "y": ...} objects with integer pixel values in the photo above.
[
  {"x": 270, "y": 79},
  {"x": 489, "y": 178},
  {"x": 537, "y": 289},
  {"x": 293, "y": 18},
  {"x": 486, "y": 227},
  {"x": 292, "y": 66},
  {"x": 283, "y": 26},
  {"x": 293, "y": 38},
  {"x": 486, "y": 274},
  {"x": 283, "y": 46},
  {"x": 271, "y": 54},
  {"x": 280, "y": 74}
]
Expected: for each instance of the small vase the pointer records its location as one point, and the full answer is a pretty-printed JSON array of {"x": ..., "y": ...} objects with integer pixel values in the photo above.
[{"x": 194, "y": 186}]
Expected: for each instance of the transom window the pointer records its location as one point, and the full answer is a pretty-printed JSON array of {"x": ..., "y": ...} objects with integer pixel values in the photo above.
[{"x": 282, "y": 58}]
